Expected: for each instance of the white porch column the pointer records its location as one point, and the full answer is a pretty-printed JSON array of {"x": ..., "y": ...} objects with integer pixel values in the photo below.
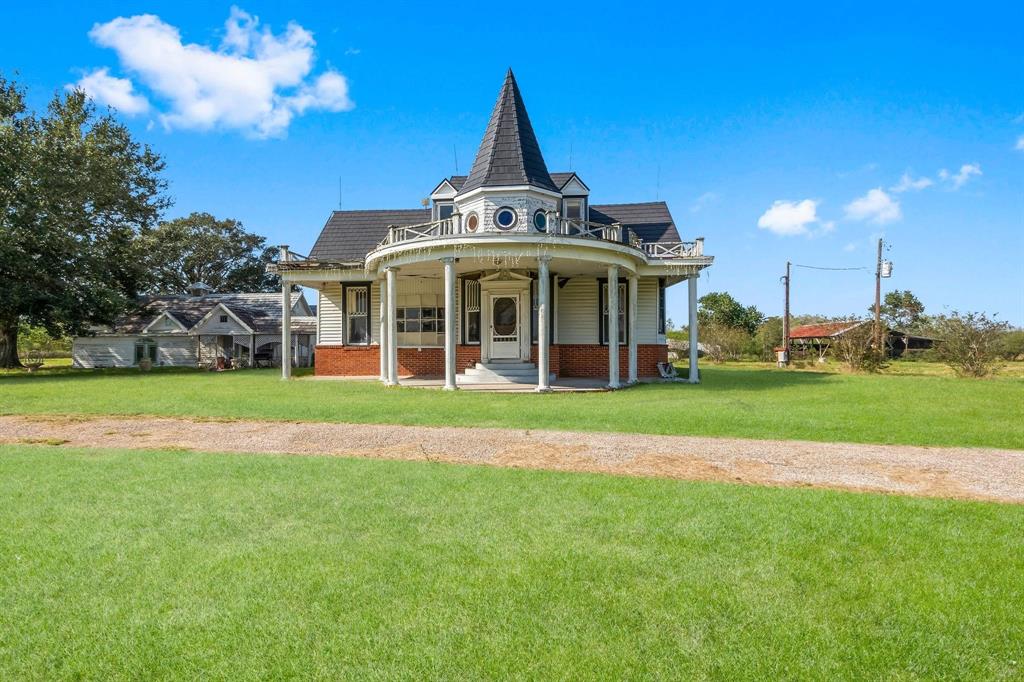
[
  {"x": 286, "y": 320},
  {"x": 692, "y": 286},
  {"x": 392, "y": 276},
  {"x": 449, "y": 324},
  {"x": 613, "y": 326},
  {"x": 543, "y": 333},
  {"x": 382, "y": 343},
  {"x": 634, "y": 285}
]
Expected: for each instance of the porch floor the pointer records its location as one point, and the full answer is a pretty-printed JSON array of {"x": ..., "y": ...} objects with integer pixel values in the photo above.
[{"x": 564, "y": 385}]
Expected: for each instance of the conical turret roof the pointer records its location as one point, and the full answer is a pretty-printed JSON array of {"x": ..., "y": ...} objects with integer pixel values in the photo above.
[{"x": 509, "y": 153}]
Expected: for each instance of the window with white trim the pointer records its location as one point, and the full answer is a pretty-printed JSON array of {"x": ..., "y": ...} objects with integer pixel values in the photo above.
[
  {"x": 572, "y": 209},
  {"x": 145, "y": 348},
  {"x": 357, "y": 315},
  {"x": 661, "y": 305},
  {"x": 472, "y": 307},
  {"x": 622, "y": 312},
  {"x": 443, "y": 211}
]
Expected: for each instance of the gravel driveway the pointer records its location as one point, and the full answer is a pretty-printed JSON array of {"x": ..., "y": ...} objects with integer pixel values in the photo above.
[{"x": 975, "y": 473}]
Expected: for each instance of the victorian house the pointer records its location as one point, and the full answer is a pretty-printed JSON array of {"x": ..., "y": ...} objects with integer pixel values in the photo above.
[{"x": 511, "y": 274}]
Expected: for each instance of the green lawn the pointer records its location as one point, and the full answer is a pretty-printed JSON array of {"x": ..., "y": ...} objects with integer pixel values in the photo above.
[
  {"x": 744, "y": 401},
  {"x": 170, "y": 565}
]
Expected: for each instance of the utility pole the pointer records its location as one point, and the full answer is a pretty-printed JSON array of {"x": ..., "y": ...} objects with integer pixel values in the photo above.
[
  {"x": 878, "y": 298},
  {"x": 785, "y": 314}
]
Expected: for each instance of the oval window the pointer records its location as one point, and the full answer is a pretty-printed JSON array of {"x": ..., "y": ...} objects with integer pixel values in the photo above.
[
  {"x": 472, "y": 222},
  {"x": 540, "y": 221},
  {"x": 505, "y": 218},
  {"x": 503, "y": 316}
]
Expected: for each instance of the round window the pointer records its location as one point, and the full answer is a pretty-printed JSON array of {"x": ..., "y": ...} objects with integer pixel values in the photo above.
[
  {"x": 505, "y": 218},
  {"x": 540, "y": 221},
  {"x": 472, "y": 222}
]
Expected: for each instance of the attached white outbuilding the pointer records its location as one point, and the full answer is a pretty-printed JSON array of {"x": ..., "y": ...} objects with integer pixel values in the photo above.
[{"x": 212, "y": 330}]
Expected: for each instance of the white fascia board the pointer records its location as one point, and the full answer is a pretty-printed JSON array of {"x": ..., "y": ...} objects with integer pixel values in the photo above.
[
  {"x": 509, "y": 188},
  {"x": 170, "y": 317},
  {"x": 231, "y": 314}
]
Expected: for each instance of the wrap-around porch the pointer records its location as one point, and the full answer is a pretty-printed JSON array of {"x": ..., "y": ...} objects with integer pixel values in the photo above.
[{"x": 497, "y": 317}]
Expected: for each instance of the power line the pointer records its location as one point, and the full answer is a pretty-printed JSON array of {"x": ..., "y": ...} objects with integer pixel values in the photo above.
[{"x": 817, "y": 267}]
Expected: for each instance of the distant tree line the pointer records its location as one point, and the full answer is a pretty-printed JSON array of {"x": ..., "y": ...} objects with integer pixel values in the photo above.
[
  {"x": 81, "y": 235},
  {"x": 973, "y": 344}
]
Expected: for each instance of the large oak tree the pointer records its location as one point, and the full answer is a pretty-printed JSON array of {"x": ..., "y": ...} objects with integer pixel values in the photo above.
[
  {"x": 199, "y": 248},
  {"x": 76, "y": 191}
]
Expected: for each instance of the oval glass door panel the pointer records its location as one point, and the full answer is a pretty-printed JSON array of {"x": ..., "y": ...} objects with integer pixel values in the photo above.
[{"x": 503, "y": 315}]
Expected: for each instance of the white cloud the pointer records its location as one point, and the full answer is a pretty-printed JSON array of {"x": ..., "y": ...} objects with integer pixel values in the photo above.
[
  {"x": 1020, "y": 144},
  {"x": 875, "y": 206},
  {"x": 908, "y": 183},
  {"x": 703, "y": 201},
  {"x": 116, "y": 92},
  {"x": 790, "y": 218},
  {"x": 960, "y": 178},
  {"x": 256, "y": 81},
  {"x": 851, "y": 246}
]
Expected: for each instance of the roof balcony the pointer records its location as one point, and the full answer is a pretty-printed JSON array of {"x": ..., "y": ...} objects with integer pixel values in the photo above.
[{"x": 559, "y": 227}]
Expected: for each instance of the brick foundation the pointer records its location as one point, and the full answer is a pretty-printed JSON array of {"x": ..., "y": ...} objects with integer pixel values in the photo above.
[
  {"x": 591, "y": 360},
  {"x": 576, "y": 360}
]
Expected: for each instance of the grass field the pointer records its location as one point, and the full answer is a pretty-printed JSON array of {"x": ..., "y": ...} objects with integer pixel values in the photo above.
[
  {"x": 743, "y": 401},
  {"x": 167, "y": 565}
]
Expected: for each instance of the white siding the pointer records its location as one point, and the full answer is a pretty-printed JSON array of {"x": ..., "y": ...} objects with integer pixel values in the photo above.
[
  {"x": 103, "y": 351},
  {"x": 375, "y": 313},
  {"x": 214, "y": 325},
  {"x": 176, "y": 351},
  {"x": 647, "y": 311},
  {"x": 329, "y": 311},
  {"x": 577, "y": 311}
]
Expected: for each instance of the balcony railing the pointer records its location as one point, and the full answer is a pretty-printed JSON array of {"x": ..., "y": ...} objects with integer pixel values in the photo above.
[{"x": 563, "y": 227}]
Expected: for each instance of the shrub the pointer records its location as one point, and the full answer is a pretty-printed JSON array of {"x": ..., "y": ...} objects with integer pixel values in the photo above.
[
  {"x": 722, "y": 342},
  {"x": 857, "y": 350},
  {"x": 1011, "y": 345},
  {"x": 970, "y": 343}
]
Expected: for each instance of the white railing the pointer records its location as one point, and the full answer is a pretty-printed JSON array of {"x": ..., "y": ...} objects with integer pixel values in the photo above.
[
  {"x": 674, "y": 249},
  {"x": 410, "y": 233},
  {"x": 558, "y": 226},
  {"x": 571, "y": 227}
]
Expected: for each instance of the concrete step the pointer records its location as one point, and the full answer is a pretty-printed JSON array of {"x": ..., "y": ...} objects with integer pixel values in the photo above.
[
  {"x": 498, "y": 379},
  {"x": 525, "y": 372},
  {"x": 503, "y": 365}
]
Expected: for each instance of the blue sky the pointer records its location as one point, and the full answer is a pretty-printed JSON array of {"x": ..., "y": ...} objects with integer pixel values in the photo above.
[{"x": 799, "y": 133}]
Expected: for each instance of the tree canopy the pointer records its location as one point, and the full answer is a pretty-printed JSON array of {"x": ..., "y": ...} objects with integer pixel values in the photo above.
[
  {"x": 201, "y": 248},
  {"x": 76, "y": 190},
  {"x": 721, "y": 309},
  {"x": 900, "y": 310}
]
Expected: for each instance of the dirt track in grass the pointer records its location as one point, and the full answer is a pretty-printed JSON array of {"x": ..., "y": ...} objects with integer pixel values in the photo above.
[{"x": 966, "y": 473}]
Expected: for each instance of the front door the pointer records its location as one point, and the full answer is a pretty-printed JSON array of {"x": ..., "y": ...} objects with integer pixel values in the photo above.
[{"x": 505, "y": 326}]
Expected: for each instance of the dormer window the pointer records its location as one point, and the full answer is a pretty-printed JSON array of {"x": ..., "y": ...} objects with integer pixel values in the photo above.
[
  {"x": 572, "y": 209},
  {"x": 444, "y": 211}
]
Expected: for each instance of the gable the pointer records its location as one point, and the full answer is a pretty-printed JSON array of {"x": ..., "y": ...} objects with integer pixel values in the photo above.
[
  {"x": 575, "y": 188},
  {"x": 221, "y": 320},
  {"x": 165, "y": 322}
]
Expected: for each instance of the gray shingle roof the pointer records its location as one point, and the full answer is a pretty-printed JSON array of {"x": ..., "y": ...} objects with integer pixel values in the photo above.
[
  {"x": 260, "y": 311},
  {"x": 651, "y": 221},
  {"x": 509, "y": 153},
  {"x": 349, "y": 235},
  {"x": 560, "y": 179}
]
